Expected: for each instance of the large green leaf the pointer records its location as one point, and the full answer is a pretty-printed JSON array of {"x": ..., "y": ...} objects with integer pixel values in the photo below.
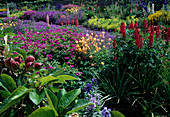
[
  {"x": 22, "y": 53},
  {"x": 52, "y": 100},
  {"x": 10, "y": 83},
  {"x": 47, "y": 79},
  {"x": 15, "y": 97},
  {"x": 61, "y": 93},
  {"x": 43, "y": 112},
  {"x": 82, "y": 103},
  {"x": 69, "y": 97},
  {"x": 4, "y": 94},
  {"x": 5, "y": 88},
  {"x": 66, "y": 77},
  {"x": 36, "y": 96},
  {"x": 116, "y": 114}
]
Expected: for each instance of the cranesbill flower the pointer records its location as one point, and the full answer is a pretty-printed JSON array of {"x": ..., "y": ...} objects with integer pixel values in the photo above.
[{"x": 105, "y": 112}]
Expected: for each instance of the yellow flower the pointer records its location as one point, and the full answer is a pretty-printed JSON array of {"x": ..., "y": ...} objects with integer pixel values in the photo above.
[
  {"x": 110, "y": 39},
  {"x": 102, "y": 63},
  {"x": 104, "y": 46},
  {"x": 102, "y": 41}
]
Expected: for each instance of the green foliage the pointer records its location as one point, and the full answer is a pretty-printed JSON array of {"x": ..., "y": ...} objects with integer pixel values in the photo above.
[{"x": 43, "y": 112}]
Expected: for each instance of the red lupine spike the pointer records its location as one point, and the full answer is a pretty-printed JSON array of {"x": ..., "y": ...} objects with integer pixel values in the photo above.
[
  {"x": 72, "y": 21},
  {"x": 76, "y": 23},
  {"x": 168, "y": 36},
  {"x": 144, "y": 26},
  {"x": 131, "y": 25},
  {"x": 67, "y": 22},
  {"x": 136, "y": 24},
  {"x": 151, "y": 39},
  {"x": 61, "y": 23},
  {"x": 141, "y": 42},
  {"x": 115, "y": 57},
  {"x": 114, "y": 43},
  {"x": 157, "y": 31}
]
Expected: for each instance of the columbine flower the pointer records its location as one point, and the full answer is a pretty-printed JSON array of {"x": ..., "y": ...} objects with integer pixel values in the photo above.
[{"x": 105, "y": 112}]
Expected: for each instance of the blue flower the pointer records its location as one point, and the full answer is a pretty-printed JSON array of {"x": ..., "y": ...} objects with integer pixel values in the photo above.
[
  {"x": 88, "y": 87},
  {"x": 94, "y": 80},
  {"x": 105, "y": 112}
]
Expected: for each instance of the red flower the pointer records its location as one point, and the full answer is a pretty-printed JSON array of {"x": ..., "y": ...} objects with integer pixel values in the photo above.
[
  {"x": 115, "y": 57},
  {"x": 114, "y": 43},
  {"x": 72, "y": 22},
  {"x": 152, "y": 29},
  {"x": 168, "y": 36},
  {"x": 61, "y": 23},
  {"x": 76, "y": 23},
  {"x": 157, "y": 31},
  {"x": 122, "y": 26},
  {"x": 144, "y": 25},
  {"x": 140, "y": 42},
  {"x": 136, "y": 24},
  {"x": 67, "y": 22},
  {"x": 131, "y": 25},
  {"x": 151, "y": 39},
  {"x": 124, "y": 33}
]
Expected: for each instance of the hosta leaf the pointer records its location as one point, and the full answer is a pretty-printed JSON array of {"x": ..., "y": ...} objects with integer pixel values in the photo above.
[
  {"x": 82, "y": 103},
  {"x": 69, "y": 97},
  {"x": 15, "y": 97},
  {"x": 52, "y": 100},
  {"x": 36, "y": 96},
  {"x": 66, "y": 77},
  {"x": 47, "y": 79},
  {"x": 9, "y": 82},
  {"x": 43, "y": 112},
  {"x": 116, "y": 114},
  {"x": 61, "y": 93}
]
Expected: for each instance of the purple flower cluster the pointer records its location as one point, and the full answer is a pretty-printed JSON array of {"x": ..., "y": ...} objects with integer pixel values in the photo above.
[
  {"x": 3, "y": 14},
  {"x": 95, "y": 99},
  {"x": 37, "y": 26}
]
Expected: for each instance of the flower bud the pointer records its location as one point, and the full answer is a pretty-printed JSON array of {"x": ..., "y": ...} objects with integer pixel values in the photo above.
[
  {"x": 18, "y": 59},
  {"x": 37, "y": 66},
  {"x": 29, "y": 59},
  {"x": 15, "y": 65},
  {"x": 8, "y": 62},
  {"x": 29, "y": 66}
]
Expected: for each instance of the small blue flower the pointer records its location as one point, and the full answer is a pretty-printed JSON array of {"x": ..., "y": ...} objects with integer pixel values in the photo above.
[
  {"x": 94, "y": 80},
  {"x": 88, "y": 87}
]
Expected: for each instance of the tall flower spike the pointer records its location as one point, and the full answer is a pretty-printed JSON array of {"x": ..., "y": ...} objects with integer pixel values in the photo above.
[
  {"x": 144, "y": 26},
  {"x": 131, "y": 25},
  {"x": 76, "y": 23},
  {"x": 47, "y": 19},
  {"x": 168, "y": 36},
  {"x": 67, "y": 22},
  {"x": 151, "y": 40},
  {"x": 72, "y": 21},
  {"x": 157, "y": 31},
  {"x": 61, "y": 23},
  {"x": 114, "y": 43}
]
